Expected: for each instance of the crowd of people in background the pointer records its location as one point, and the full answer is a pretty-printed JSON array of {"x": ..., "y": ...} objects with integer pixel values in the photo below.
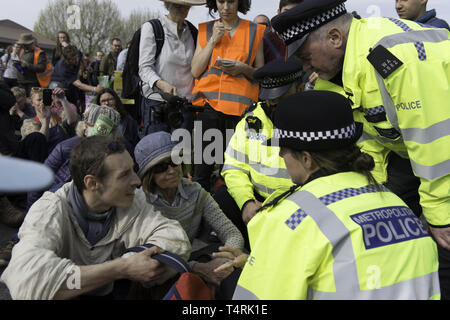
[{"x": 67, "y": 112}]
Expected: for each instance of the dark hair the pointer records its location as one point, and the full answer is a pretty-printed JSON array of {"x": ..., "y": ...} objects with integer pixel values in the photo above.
[
  {"x": 244, "y": 6},
  {"x": 284, "y": 3},
  {"x": 343, "y": 160},
  {"x": 59, "y": 48},
  {"x": 119, "y": 106},
  {"x": 69, "y": 52},
  {"x": 88, "y": 158},
  {"x": 116, "y": 39}
]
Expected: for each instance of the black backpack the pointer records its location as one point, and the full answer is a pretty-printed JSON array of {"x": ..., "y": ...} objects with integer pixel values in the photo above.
[{"x": 130, "y": 75}]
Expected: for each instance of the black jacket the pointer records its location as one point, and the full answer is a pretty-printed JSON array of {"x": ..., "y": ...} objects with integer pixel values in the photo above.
[{"x": 8, "y": 141}]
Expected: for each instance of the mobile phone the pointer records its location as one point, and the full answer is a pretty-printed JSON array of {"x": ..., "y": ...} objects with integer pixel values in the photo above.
[{"x": 47, "y": 97}]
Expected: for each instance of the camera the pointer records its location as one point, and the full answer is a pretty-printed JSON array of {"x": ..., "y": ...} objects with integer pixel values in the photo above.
[{"x": 171, "y": 111}]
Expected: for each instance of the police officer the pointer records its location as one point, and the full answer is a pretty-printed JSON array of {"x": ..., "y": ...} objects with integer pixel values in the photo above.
[
  {"x": 396, "y": 73},
  {"x": 337, "y": 234},
  {"x": 252, "y": 171}
]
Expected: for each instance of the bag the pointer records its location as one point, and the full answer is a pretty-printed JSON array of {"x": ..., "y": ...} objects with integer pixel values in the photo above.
[
  {"x": 131, "y": 79},
  {"x": 189, "y": 286}
]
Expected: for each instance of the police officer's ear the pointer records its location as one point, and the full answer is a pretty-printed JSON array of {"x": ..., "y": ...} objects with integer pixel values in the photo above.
[{"x": 336, "y": 38}]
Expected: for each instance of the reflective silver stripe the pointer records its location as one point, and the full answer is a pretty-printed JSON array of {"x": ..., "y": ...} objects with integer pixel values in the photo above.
[
  {"x": 218, "y": 72},
  {"x": 415, "y": 289},
  {"x": 261, "y": 188},
  {"x": 46, "y": 73},
  {"x": 344, "y": 266},
  {"x": 364, "y": 137},
  {"x": 236, "y": 98},
  {"x": 224, "y": 97},
  {"x": 272, "y": 172},
  {"x": 431, "y": 172},
  {"x": 387, "y": 101},
  {"x": 243, "y": 294},
  {"x": 431, "y": 35},
  {"x": 209, "y": 30},
  {"x": 230, "y": 167},
  {"x": 428, "y": 135},
  {"x": 252, "y": 30}
]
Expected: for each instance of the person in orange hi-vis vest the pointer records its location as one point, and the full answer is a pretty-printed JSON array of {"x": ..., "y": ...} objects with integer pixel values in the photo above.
[{"x": 229, "y": 51}]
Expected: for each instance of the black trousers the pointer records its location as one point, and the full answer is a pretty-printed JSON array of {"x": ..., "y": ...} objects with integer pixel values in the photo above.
[
  {"x": 403, "y": 183},
  {"x": 211, "y": 119}
]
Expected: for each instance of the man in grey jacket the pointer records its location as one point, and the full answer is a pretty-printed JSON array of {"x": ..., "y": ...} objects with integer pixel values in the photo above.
[{"x": 72, "y": 241}]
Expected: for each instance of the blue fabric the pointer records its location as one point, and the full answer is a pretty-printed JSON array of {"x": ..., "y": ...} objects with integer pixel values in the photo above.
[
  {"x": 65, "y": 73},
  {"x": 430, "y": 19}
]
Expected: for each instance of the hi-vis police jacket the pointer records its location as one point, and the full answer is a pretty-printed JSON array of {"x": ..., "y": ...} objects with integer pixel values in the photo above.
[
  {"x": 397, "y": 74},
  {"x": 339, "y": 238},
  {"x": 367, "y": 143},
  {"x": 249, "y": 165}
]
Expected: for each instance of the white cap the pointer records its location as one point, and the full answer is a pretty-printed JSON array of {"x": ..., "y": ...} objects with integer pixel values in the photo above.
[{"x": 19, "y": 176}]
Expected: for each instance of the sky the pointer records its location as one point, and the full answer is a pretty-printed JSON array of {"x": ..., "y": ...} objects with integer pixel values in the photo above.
[{"x": 26, "y": 12}]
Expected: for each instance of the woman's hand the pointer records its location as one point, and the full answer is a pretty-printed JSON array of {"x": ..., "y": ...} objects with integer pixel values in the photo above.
[
  {"x": 236, "y": 259},
  {"x": 218, "y": 32},
  {"x": 208, "y": 270},
  {"x": 236, "y": 68},
  {"x": 43, "y": 113}
]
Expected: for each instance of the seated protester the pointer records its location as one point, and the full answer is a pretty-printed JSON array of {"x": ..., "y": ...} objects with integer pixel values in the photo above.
[
  {"x": 128, "y": 126},
  {"x": 253, "y": 171},
  {"x": 66, "y": 74},
  {"x": 56, "y": 122},
  {"x": 85, "y": 227},
  {"x": 182, "y": 200},
  {"x": 22, "y": 110},
  {"x": 337, "y": 233},
  {"x": 93, "y": 123}
]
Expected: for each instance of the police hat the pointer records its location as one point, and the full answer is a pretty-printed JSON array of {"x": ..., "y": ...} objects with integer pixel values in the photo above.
[
  {"x": 18, "y": 175},
  {"x": 277, "y": 77},
  {"x": 294, "y": 25},
  {"x": 315, "y": 121}
]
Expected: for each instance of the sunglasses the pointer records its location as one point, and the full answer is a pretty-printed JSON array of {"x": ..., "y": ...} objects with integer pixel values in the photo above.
[{"x": 163, "y": 167}]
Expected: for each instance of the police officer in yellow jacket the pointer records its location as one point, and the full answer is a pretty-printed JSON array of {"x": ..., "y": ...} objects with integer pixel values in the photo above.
[
  {"x": 252, "y": 171},
  {"x": 397, "y": 74},
  {"x": 336, "y": 234}
]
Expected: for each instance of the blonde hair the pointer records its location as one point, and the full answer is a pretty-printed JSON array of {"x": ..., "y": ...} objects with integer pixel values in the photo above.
[{"x": 19, "y": 93}]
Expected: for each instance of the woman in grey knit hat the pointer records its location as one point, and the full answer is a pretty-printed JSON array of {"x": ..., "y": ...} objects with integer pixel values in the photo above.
[{"x": 187, "y": 202}]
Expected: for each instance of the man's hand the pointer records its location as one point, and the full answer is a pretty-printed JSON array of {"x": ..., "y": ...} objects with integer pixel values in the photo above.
[
  {"x": 249, "y": 210},
  {"x": 13, "y": 110},
  {"x": 142, "y": 268},
  {"x": 24, "y": 64},
  {"x": 442, "y": 236},
  {"x": 166, "y": 87}
]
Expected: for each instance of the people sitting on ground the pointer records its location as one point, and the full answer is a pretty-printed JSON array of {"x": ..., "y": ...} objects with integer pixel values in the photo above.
[
  {"x": 128, "y": 126},
  {"x": 72, "y": 241},
  {"x": 253, "y": 171},
  {"x": 55, "y": 122},
  {"x": 338, "y": 234},
  {"x": 22, "y": 110},
  {"x": 187, "y": 202},
  {"x": 97, "y": 120}
]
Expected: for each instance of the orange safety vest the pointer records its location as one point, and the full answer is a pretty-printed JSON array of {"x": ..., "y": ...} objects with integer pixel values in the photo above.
[
  {"x": 44, "y": 77},
  {"x": 226, "y": 93}
]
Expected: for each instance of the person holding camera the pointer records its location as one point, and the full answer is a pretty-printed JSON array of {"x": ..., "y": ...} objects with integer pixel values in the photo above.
[
  {"x": 170, "y": 72},
  {"x": 10, "y": 73},
  {"x": 34, "y": 68}
]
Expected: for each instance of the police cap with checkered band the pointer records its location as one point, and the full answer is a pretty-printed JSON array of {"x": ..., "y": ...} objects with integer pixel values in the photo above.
[
  {"x": 277, "y": 77},
  {"x": 315, "y": 121},
  {"x": 294, "y": 25}
]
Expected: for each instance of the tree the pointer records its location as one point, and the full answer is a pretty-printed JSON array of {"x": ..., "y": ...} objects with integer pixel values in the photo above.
[
  {"x": 91, "y": 24},
  {"x": 135, "y": 21}
]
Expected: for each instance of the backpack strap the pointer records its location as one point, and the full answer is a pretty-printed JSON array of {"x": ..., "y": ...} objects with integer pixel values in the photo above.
[
  {"x": 194, "y": 31},
  {"x": 159, "y": 35},
  {"x": 170, "y": 259}
]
